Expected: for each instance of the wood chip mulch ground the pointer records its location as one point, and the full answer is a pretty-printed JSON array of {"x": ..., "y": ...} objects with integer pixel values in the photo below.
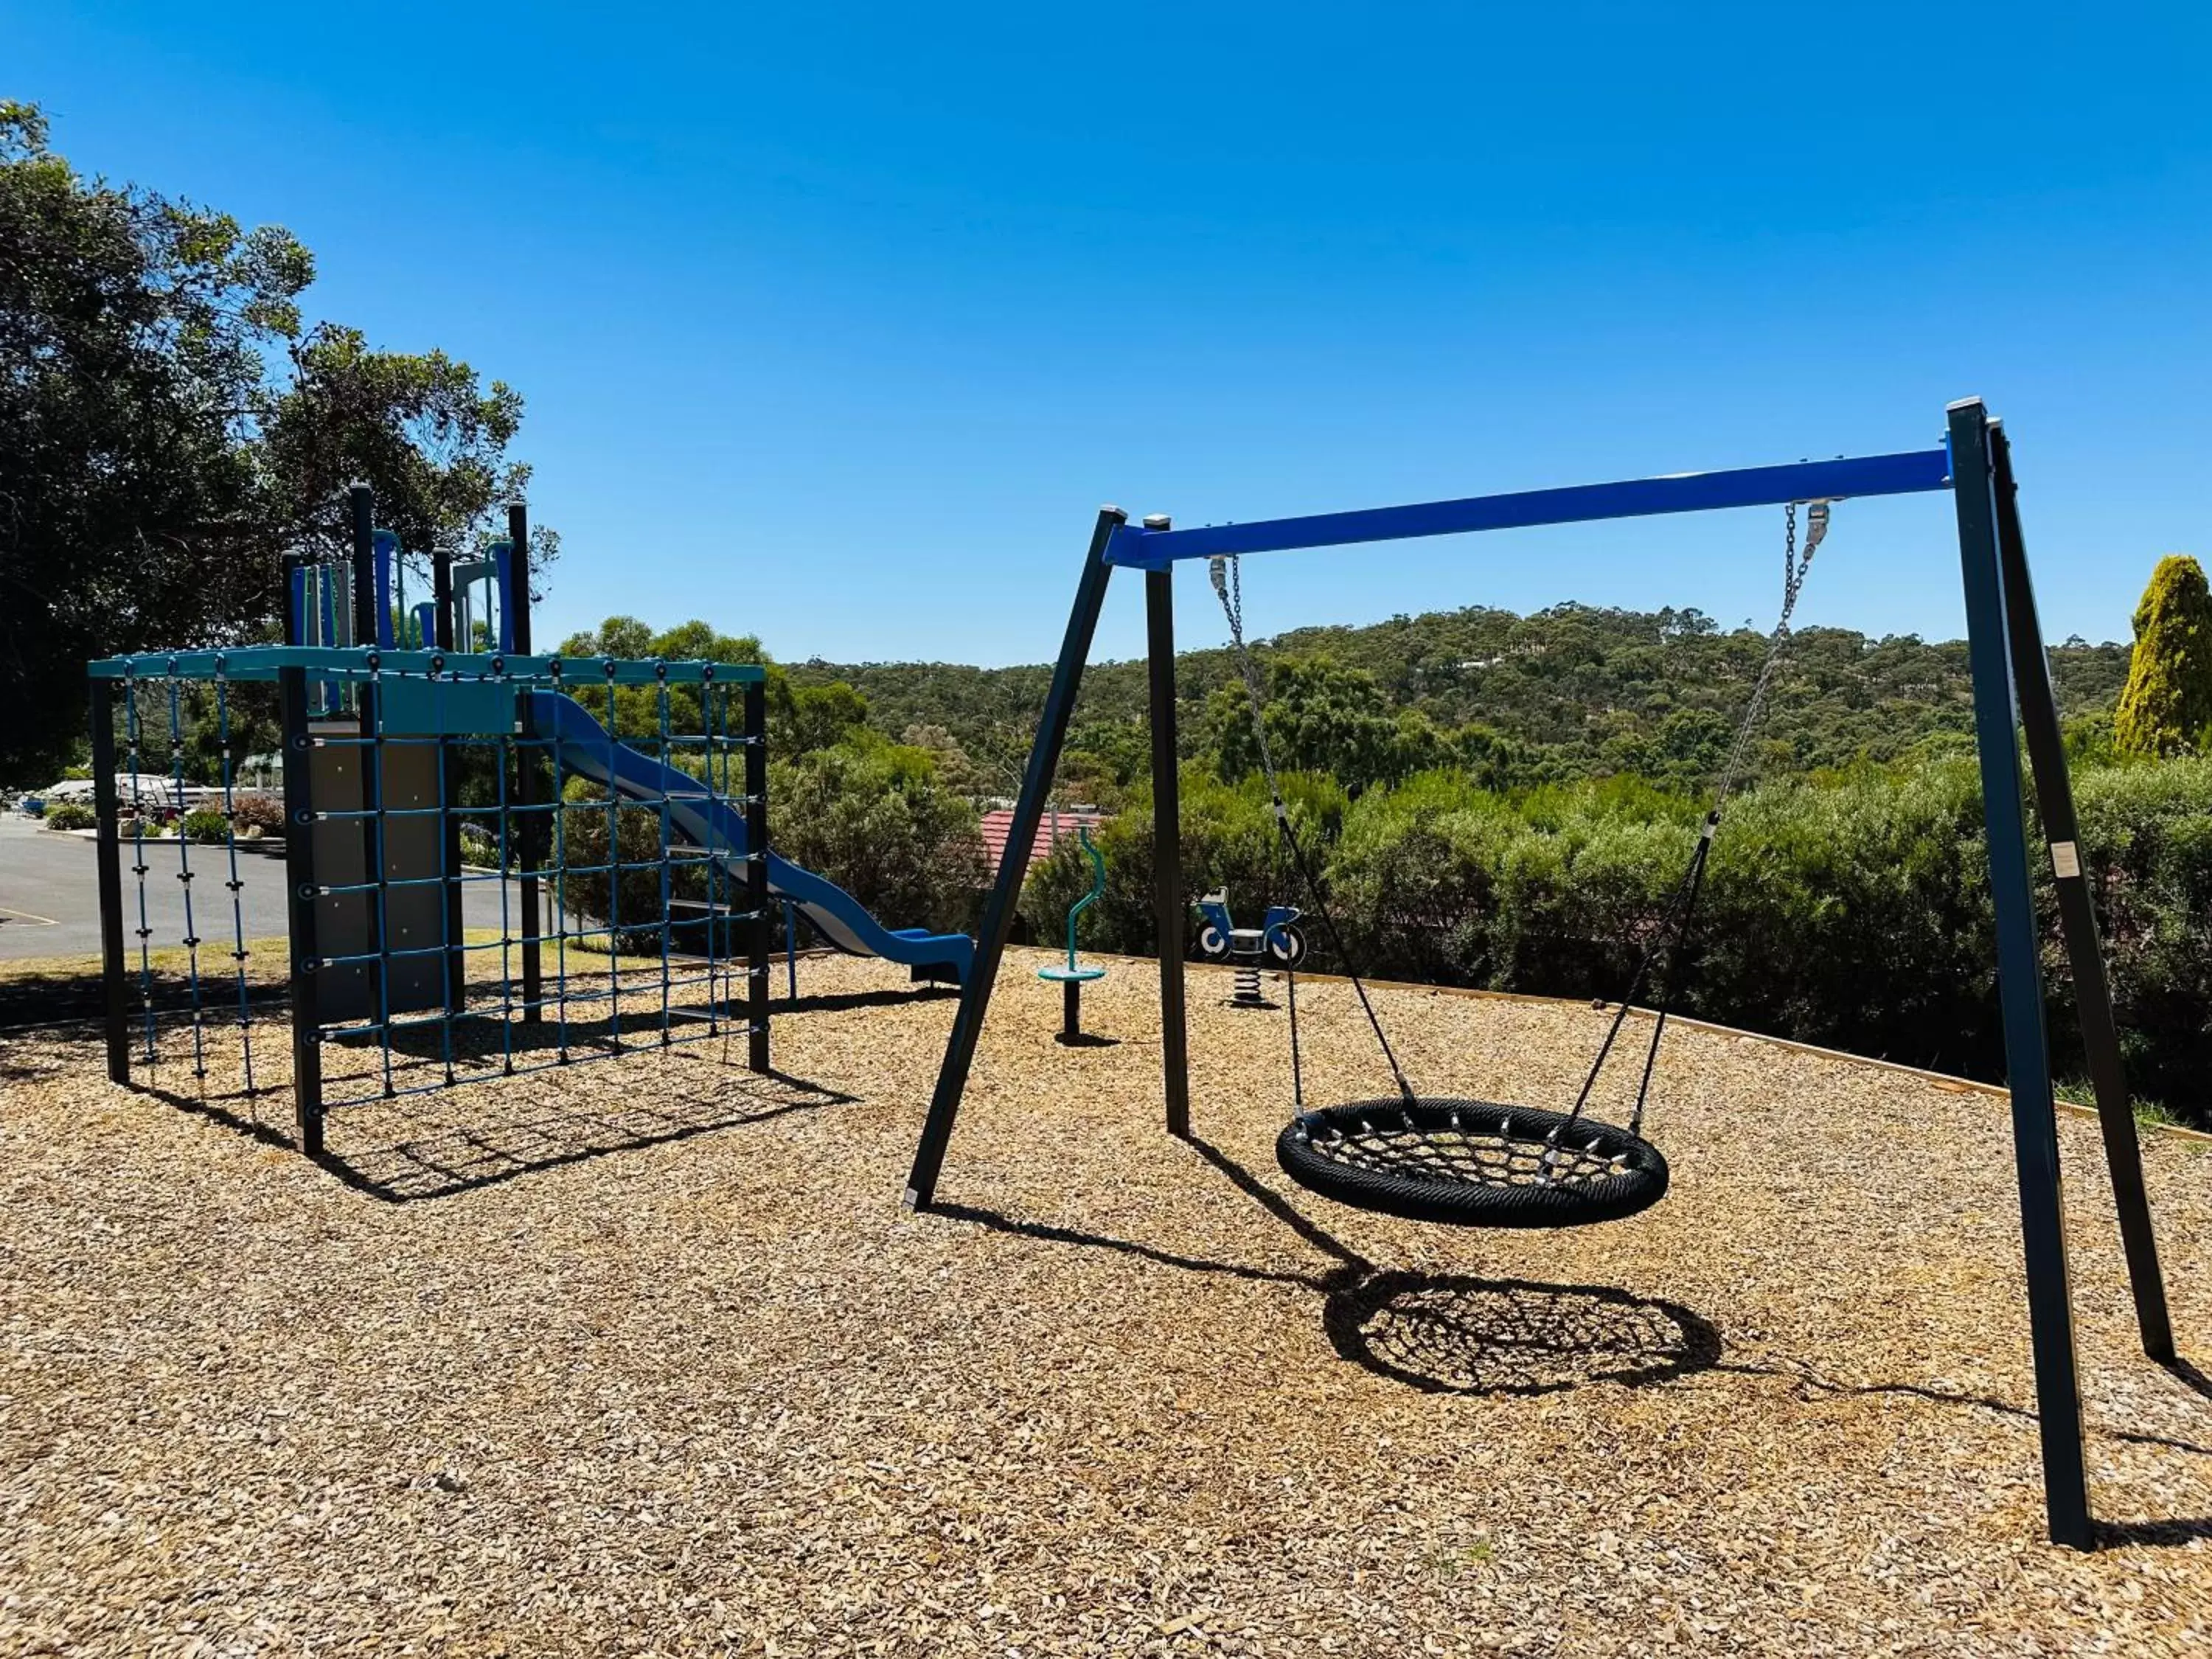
[{"x": 641, "y": 1357}]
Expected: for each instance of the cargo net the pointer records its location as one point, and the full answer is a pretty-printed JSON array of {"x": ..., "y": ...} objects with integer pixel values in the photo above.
[{"x": 449, "y": 867}]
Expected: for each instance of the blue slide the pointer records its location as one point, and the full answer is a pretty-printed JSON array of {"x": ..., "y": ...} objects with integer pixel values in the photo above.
[{"x": 582, "y": 746}]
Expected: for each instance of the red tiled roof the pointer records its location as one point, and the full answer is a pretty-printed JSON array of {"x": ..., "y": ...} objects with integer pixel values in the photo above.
[{"x": 998, "y": 826}]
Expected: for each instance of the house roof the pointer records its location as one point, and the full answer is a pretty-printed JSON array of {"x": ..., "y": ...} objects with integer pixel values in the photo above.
[{"x": 998, "y": 827}]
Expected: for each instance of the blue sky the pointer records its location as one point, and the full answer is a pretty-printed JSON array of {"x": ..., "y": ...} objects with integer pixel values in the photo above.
[{"x": 836, "y": 324}]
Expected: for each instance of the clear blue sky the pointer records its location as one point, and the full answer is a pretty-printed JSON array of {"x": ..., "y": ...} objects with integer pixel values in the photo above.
[{"x": 837, "y": 323}]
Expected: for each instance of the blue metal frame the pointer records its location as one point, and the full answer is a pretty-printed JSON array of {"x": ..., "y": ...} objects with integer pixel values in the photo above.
[{"x": 1910, "y": 472}]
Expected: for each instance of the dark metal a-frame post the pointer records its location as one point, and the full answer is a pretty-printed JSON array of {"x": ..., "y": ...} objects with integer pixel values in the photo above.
[
  {"x": 1167, "y": 909},
  {"x": 2020, "y": 983},
  {"x": 531, "y": 783},
  {"x": 2077, "y": 914},
  {"x": 1006, "y": 888}
]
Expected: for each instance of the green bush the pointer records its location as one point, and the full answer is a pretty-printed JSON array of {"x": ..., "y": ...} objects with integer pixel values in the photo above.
[
  {"x": 872, "y": 817},
  {"x": 2147, "y": 843},
  {"x": 70, "y": 815},
  {"x": 207, "y": 824},
  {"x": 1849, "y": 909}
]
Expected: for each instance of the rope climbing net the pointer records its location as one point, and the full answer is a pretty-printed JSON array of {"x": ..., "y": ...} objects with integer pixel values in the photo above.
[{"x": 476, "y": 867}]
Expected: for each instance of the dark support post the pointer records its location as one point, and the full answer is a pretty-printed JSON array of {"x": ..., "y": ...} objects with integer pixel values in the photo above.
[
  {"x": 2054, "y": 800},
  {"x": 529, "y": 784},
  {"x": 441, "y": 639},
  {"x": 300, "y": 890},
  {"x": 362, "y": 500},
  {"x": 2019, "y": 987},
  {"x": 1006, "y": 888},
  {"x": 1169, "y": 917},
  {"x": 760, "y": 927},
  {"x": 1071, "y": 1010},
  {"x": 442, "y": 597},
  {"x": 108, "y": 853}
]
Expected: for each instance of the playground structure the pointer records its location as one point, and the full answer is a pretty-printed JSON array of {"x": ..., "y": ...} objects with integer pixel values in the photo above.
[
  {"x": 618, "y": 807},
  {"x": 1071, "y": 975},
  {"x": 2012, "y": 692}
]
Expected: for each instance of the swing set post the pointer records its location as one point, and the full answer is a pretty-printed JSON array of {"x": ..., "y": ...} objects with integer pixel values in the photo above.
[
  {"x": 1006, "y": 888},
  {"x": 2019, "y": 986},
  {"x": 2077, "y": 914},
  {"x": 1169, "y": 908}
]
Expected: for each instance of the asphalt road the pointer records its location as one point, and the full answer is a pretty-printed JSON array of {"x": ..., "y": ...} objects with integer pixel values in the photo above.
[{"x": 50, "y": 893}]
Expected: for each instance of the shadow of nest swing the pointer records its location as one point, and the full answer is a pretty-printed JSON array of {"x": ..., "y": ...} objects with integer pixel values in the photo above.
[
  {"x": 1437, "y": 1333},
  {"x": 1452, "y": 1334}
]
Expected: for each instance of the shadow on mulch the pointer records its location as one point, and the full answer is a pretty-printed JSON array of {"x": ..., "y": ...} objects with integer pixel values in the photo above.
[
  {"x": 2186, "y": 1373},
  {"x": 1451, "y": 1333},
  {"x": 1442, "y": 1333},
  {"x": 441, "y": 1158},
  {"x": 834, "y": 1001},
  {"x": 1458, "y": 1334},
  {"x": 472, "y": 1140},
  {"x": 2154, "y": 1534},
  {"x": 36, "y": 997},
  {"x": 402, "y": 1124}
]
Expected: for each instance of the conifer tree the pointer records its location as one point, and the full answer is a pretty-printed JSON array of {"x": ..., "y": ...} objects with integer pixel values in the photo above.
[{"x": 2166, "y": 707}]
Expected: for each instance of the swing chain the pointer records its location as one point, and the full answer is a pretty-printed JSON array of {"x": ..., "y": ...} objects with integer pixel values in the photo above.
[
  {"x": 1226, "y": 573},
  {"x": 1794, "y": 565},
  {"x": 1672, "y": 934}
]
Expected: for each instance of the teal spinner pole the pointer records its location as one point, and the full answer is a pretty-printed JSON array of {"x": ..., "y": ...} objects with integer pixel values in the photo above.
[{"x": 1072, "y": 976}]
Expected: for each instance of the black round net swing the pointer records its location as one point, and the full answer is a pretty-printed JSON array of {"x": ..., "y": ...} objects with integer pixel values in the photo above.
[
  {"x": 1483, "y": 1162},
  {"x": 1476, "y": 1163}
]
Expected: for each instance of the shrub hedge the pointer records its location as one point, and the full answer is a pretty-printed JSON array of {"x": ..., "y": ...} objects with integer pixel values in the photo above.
[{"x": 1849, "y": 909}]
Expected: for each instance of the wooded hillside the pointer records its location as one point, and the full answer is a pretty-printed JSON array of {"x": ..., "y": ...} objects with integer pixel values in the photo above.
[{"x": 1572, "y": 691}]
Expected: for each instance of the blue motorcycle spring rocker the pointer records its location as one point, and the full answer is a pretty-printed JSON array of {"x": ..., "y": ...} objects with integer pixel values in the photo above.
[{"x": 1279, "y": 940}]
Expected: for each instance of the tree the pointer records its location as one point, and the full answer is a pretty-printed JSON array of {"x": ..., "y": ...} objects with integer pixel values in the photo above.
[
  {"x": 1325, "y": 719},
  {"x": 132, "y": 330},
  {"x": 954, "y": 768},
  {"x": 417, "y": 427},
  {"x": 802, "y": 718},
  {"x": 2166, "y": 705},
  {"x": 167, "y": 432}
]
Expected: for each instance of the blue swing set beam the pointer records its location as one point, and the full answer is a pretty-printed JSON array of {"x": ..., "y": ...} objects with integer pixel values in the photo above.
[{"x": 1913, "y": 472}]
